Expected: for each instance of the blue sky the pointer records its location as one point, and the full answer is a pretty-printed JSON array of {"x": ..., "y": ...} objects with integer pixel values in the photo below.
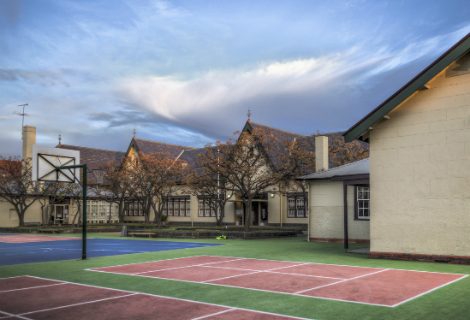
[{"x": 186, "y": 72}]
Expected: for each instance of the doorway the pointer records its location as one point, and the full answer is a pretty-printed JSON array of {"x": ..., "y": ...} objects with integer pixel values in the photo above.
[{"x": 259, "y": 211}]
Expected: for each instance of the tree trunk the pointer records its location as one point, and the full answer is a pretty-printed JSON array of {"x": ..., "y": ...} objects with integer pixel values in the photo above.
[
  {"x": 21, "y": 212},
  {"x": 248, "y": 215},
  {"x": 121, "y": 210}
]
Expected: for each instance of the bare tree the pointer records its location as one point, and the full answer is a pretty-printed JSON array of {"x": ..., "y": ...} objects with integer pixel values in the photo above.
[
  {"x": 17, "y": 186},
  {"x": 157, "y": 178},
  {"x": 209, "y": 185},
  {"x": 245, "y": 167}
]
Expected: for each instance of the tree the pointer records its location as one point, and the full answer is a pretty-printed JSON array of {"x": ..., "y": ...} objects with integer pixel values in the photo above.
[
  {"x": 209, "y": 185},
  {"x": 157, "y": 177},
  {"x": 117, "y": 185},
  {"x": 245, "y": 167},
  {"x": 17, "y": 186},
  {"x": 51, "y": 191}
]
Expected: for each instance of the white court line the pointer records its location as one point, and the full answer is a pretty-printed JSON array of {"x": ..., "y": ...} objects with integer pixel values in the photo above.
[
  {"x": 341, "y": 281},
  {"x": 213, "y": 314},
  {"x": 78, "y": 304},
  {"x": 295, "y": 294},
  {"x": 429, "y": 291},
  {"x": 33, "y": 287},
  {"x": 192, "y": 265},
  {"x": 240, "y": 275},
  {"x": 153, "y": 261},
  {"x": 346, "y": 265},
  {"x": 276, "y": 272},
  {"x": 253, "y": 289},
  {"x": 173, "y": 298},
  {"x": 7, "y": 314}
]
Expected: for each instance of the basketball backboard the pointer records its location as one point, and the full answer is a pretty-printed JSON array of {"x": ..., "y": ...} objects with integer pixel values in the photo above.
[{"x": 48, "y": 164}]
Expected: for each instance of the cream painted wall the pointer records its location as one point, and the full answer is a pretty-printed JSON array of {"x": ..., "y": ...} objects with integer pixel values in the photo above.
[
  {"x": 9, "y": 218},
  {"x": 420, "y": 173},
  {"x": 327, "y": 215}
]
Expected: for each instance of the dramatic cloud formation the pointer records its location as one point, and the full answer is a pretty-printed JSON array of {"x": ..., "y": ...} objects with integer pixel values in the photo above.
[{"x": 186, "y": 72}]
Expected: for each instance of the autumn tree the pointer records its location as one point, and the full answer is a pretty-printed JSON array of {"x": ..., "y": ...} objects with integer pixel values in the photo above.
[
  {"x": 157, "y": 177},
  {"x": 117, "y": 185},
  {"x": 17, "y": 186}
]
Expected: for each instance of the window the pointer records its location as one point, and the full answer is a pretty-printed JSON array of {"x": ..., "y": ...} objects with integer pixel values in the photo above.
[
  {"x": 362, "y": 204},
  {"x": 178, "y": 206},
  {"x": 134, "y": 208},
  {"x": 205, "y": 207},
  {"x": 297, "y": 205}
]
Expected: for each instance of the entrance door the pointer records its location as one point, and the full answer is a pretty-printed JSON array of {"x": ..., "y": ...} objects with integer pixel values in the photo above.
[
  {"x": 61, "y": 213},
  {"x": 255, "y": 213}
]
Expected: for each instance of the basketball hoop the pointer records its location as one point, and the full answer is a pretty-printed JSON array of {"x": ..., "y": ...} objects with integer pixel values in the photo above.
[{"x": 62, "y": 165}]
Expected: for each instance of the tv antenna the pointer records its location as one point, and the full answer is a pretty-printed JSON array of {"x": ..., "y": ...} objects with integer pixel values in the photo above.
[{"x": 22, "y": 114}]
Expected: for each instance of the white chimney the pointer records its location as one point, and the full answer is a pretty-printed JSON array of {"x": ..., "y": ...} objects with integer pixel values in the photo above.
[
  {"x": 29, "y": 139},
  {"x": 321, "y": 153}
]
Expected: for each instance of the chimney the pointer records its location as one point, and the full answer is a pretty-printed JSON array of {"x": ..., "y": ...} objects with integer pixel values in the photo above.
[
  {"x": 29, "y": 139},
  {"x": 321, "y": 153}
]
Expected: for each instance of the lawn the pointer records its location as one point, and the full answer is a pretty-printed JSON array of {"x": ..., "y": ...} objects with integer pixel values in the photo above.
[{"x": 450, "y": 302}]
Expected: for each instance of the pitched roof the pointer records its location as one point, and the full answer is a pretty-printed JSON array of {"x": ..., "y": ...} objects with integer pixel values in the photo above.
[
  {"x": 152, "y": 147},
  {"x": 418, "y": 82},
  {"x": 340, "y": 152},
  {"x": 96, "y": 160},
  {"x": 360, "y": 167}
]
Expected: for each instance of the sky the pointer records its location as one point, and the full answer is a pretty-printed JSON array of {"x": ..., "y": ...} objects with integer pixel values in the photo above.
[{"x": 187, "y": 72}]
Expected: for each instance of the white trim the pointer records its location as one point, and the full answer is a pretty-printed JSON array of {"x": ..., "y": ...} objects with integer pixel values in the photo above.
[{"x": 164, "y": 297}]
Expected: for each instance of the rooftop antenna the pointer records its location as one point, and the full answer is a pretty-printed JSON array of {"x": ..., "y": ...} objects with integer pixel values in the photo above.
[
  {"x": 60, "y": 139},
  {"x": 134, "y": 133},
  {"x": 249, "y": 114},
  {"x": 22, "y": 114}
]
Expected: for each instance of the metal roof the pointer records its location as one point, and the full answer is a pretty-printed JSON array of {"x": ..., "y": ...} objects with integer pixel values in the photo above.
[{"x": 360, "y": 167}]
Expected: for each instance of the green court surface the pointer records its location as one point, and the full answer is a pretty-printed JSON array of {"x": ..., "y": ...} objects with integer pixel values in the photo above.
[{"x": 449, "y": 302}]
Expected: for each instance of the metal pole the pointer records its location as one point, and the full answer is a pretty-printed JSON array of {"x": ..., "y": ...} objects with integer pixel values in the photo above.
[
  {"x": 345, "y": 204},
  {"x": 84, "y": 216}
]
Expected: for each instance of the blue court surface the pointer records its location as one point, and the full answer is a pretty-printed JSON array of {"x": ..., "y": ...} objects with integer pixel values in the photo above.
[{"x": 15, "y": 253}]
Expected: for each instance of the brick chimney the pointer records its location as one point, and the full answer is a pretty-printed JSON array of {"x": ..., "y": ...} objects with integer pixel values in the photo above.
[
  {"x": 321, "y": 153},
  {"x": 29, "y": 139}
]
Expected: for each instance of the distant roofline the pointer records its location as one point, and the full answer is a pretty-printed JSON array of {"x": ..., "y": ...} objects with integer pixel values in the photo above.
[
  {"x": 165, "y": 143},
  {"x": 63, "y": 146}
]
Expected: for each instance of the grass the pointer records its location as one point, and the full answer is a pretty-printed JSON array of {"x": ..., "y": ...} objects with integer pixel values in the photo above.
[{"x": 451, "y": 302}]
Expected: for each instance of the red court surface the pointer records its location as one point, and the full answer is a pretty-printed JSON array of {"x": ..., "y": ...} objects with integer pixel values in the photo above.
[
  {"x": 27, "y": 238},
  {"x": 374, "y": 286},
  {"x": 32, "y": 298}
]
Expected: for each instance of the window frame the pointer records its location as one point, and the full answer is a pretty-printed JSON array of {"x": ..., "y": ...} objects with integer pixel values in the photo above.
[
  {"x": 357, "y": 208},
  {"x": 177, "y": 206},
  {"x": 295, "y": 198}
]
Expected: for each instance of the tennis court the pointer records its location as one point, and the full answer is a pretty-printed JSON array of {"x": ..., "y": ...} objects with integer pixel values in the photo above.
[
  {"x": 371, "y": 286},
  {"x": 26, "y": 248},
  {"x": 34, "y": 298}
]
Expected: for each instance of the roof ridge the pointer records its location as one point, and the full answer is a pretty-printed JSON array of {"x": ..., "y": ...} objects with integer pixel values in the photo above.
[
  {"x": 164, "y": 143},
  {"x": 76, "y": 146},
  {"x": 281, "y": 130}
]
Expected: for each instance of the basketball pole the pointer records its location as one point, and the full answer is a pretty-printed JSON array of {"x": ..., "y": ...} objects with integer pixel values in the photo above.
[
  {"x": 84, "y": 218},
  {"x": 84, "y": 168}
]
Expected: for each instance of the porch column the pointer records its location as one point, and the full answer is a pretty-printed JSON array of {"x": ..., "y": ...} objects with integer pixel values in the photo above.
[{"x": 345, "y": 210}]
